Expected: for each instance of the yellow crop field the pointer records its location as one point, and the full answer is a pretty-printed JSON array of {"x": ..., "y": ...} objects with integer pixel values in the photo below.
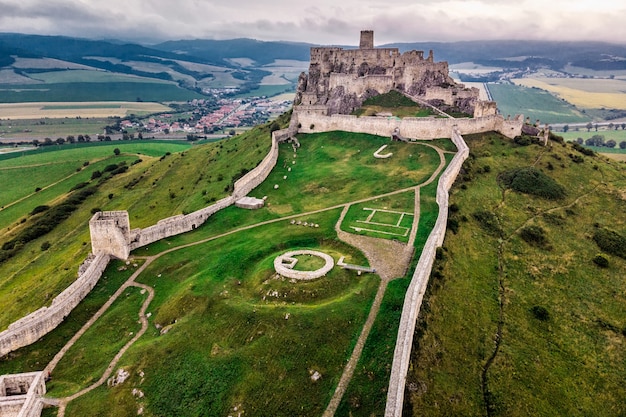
[
  {"x": 82, "y": 109},
  {"x": 582, "y": 92}
]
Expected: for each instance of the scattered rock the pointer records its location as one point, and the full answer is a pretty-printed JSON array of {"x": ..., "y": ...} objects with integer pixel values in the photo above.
[
  {"x": 315, "y": 376},
  {"x": 119, "y": 377},
  {"x": 138, "y": 393}
]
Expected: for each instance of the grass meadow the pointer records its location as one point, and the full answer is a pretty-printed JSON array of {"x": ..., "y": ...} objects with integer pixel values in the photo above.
[
  {"x": 490, "y": 284},
  {"x": 534, "y": 103}
]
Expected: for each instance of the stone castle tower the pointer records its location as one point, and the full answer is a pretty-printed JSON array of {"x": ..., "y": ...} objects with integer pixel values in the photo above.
[
  {"x": 367, "y": 39},
  {"x": 339, "y": 80}
]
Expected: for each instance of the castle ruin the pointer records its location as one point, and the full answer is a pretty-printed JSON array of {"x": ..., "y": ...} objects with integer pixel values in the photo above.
[{"x": 340, "y": 80}]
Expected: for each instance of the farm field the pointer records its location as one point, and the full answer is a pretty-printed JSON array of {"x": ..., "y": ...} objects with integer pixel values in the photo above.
[
  {"x": 92, "y": 109},
  {"x": 94, "y": 91},
  {"x": 534, "y": 103},
  {"x": 517, "y": 326},
  {"x": 582, "y": 92},
  {"x": 239, "y": 334}
]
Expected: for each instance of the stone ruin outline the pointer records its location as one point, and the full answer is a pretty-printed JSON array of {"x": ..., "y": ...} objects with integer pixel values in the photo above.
[{"x": 286, "y": 269}]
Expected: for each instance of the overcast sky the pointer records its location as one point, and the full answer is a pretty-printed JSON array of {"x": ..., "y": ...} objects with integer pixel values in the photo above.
[{"x": 327, "y": 22}]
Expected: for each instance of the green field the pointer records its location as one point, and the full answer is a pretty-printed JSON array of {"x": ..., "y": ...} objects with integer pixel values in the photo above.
[
  {"x": 514, "y": 326},
  {"x": 383, "y": 224},
  {"x": 95, "y": 91},
  {"x": 617, "y": 135},
  {"x": 269, "y": 90},
  {"x": 89, "y": 76},
  {"x": 534, "y": 103}
]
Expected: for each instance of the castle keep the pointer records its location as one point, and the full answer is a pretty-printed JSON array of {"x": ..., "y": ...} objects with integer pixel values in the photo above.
[{"x": 339, "y": 80}]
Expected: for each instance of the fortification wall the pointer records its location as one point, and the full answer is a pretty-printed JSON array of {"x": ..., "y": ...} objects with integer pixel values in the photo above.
[
  {"x": 32, "y": 327},
  {"x": 175, "y": 225},
  {"x": 110, "y": 233},
  {"x": 113, "y": 228},
  {"x": 411, "y": 127},
  {"x": 419, "y": 281},
  {"x": 359, "y": 85}
]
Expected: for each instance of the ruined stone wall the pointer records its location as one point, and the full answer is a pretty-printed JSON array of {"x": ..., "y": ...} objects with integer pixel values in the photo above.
[
  {"x": 113, "y": 228},
  {"x": 361, "y": 85},
  {"x": 184, "y": 223},
  {"x": 32, "y": 327},
  {"x": 410, "y": 127},
  {"x": 110, "y": 233},
  {"x": 419, "y": 282}
]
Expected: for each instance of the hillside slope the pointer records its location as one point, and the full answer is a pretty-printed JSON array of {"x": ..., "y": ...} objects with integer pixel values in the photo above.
[{"x": 522, "y": 316}]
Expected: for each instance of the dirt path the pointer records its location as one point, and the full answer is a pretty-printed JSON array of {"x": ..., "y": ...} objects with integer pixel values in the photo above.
[{"x": 391, "y": 260}]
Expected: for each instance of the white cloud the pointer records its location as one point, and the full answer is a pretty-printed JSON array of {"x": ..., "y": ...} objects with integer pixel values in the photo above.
[{"x": 328, "y": 22}]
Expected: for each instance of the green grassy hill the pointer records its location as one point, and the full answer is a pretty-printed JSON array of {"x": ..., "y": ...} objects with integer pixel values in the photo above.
[
  {"x": 166, "y": 181},
  {"x": 523, "y": 314}
]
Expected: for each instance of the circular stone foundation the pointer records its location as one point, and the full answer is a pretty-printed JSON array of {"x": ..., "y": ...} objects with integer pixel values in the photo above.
[{"x": 284, "y": 264}]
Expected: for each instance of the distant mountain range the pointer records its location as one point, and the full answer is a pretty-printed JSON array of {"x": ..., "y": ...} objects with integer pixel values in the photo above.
[{"x": 244, "y": 59}]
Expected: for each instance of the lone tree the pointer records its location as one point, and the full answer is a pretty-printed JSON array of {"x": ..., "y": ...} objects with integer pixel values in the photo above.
[{"x": 116, "y": 151}]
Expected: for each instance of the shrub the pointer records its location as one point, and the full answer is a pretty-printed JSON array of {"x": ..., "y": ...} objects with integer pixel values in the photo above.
[
  {"x": 109, "y": 168},
  {"x": 577, "y": 158},
  {"x": 601, "y": 261},
  {"x": 582, "y": 149},
  {"x": 522, "y": 140},
  {"x": 610, "y": 242},
  {"x": 529, "y": 180},
  {"x": 45, "y": 246},
  {"x": 488, "y": 221},
  {"x": 119, "y": 170},
  {"x": 540, "y": 313},
  {"x": 534, "y": 235},
  {"x": 96, "y": 174},
  {"x": 79, "y": 186},
  {"x": 453, "y": 225},
  {"x": 39, "y": 209}
]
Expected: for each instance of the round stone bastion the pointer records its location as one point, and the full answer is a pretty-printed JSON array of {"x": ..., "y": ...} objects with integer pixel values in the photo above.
[{"x": 284, "y": 264}]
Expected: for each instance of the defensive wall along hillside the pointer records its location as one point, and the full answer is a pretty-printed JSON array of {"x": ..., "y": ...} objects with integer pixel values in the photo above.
[
  {"x": 111, "y": 236},
  {"x": 310, "y": 121},
  {"x": 29, "y": 329},
  {"x": 419, "y": 282}
]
